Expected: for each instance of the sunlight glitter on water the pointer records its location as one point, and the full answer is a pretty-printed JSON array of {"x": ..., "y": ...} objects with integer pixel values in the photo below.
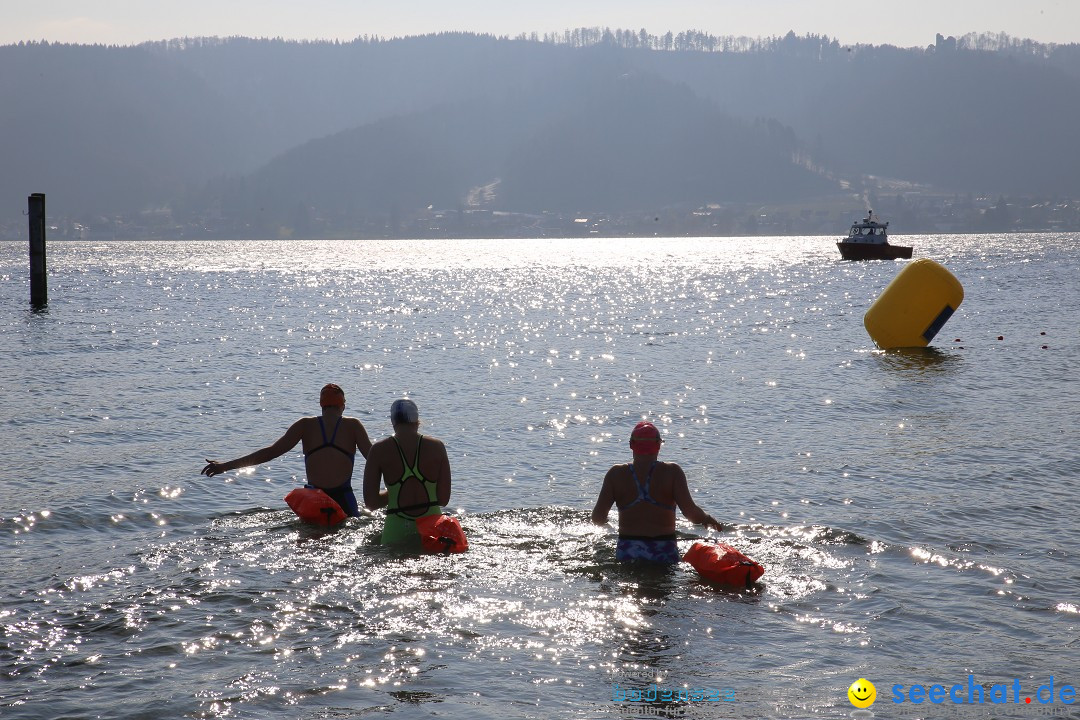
[{"x": 886, "y": 493}]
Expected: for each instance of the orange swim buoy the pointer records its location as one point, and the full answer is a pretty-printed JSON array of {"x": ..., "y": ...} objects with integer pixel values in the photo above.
[
  {"x": 315, "y": 506},
  {"x": 441, "y": 534},
  {"x": 723, "y": 564}
]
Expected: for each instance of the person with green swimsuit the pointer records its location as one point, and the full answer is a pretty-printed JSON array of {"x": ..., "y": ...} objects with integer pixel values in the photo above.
[{"x": 416, "y": 471}]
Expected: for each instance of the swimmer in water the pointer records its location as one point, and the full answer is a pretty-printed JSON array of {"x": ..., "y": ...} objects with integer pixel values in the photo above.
[
  {"x": 647, "y": 492},
  {"x": 330, "y": 444},
  {"x": 416, "y": 470}
]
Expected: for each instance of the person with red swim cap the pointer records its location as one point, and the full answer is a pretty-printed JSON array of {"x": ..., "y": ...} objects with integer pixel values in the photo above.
[
  {"x": 328, "y": 458},
  {"x": 647, "y": 492}
]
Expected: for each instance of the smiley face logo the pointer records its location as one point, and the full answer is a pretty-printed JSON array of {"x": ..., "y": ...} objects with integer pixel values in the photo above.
[{"x": 862, "y": 693}]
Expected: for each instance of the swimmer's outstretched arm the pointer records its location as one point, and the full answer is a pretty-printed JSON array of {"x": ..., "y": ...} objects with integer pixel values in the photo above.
[{"x": 283, "y": 445}]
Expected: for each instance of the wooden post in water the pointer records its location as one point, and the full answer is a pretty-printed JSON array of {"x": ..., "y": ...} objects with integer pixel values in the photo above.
[{"x": 39, "y": 289}]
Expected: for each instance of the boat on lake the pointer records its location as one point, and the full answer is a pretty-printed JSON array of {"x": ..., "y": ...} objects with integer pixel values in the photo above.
[{"x": 868, "y": 239}]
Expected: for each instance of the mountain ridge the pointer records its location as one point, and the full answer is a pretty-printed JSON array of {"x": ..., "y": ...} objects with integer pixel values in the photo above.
[{"x": 252, "y": 132}]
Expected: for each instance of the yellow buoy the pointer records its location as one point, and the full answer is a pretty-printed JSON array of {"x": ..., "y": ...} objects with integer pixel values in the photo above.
[{"x": 914, "y": 306}]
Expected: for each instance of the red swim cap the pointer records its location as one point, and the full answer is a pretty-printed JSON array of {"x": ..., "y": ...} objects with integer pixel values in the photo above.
[
  {"x": 332, "y": 396},
  {"x": 645, "y": 439}
]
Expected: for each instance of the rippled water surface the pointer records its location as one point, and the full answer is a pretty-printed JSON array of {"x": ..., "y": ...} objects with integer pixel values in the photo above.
[{"x": 916, "y": 511}]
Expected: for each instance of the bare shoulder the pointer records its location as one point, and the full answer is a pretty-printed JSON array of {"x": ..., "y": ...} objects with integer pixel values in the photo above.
[
  {"x": 381, "y": 447},
  {"x": 436, "y": 442},
  {"x": 617, "y": 472},
  {"x": 672, "y": 470},
  {"x": 304, "y": 423}
]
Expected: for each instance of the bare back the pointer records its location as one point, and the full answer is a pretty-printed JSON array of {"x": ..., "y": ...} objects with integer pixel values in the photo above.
[
  {"x": 649, "y": 515},
  {"x": 646, "y": 507},
  {"x": 330, "y": 450},
  {"x": 385, "y": 465}
]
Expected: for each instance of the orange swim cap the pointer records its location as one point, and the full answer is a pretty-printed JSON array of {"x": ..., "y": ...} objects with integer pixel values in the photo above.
[
  {"x": 332, "y": 396},
  {"x": 645, "y": 439}
]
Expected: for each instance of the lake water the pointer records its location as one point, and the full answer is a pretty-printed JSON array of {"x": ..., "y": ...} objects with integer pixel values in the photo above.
[{"x": 916, "y": 511}]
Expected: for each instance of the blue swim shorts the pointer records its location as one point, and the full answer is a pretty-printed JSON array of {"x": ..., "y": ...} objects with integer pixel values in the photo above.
[
  {"x": 343, "y": 496},
  {"x": 662, "y": 549}
]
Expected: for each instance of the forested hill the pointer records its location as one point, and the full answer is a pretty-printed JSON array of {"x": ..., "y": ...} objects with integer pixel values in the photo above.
[{"x": 588, "y": 121}]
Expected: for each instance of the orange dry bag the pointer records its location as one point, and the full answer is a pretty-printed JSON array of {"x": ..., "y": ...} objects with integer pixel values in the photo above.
[
  {"x": 441, "y": 534},
  {"x": 315, "y": 506},
  {"x": 723, "y": 564}
]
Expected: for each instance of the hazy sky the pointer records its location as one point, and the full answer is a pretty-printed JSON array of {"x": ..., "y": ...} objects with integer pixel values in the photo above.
[{"x": 898, "y": 22}]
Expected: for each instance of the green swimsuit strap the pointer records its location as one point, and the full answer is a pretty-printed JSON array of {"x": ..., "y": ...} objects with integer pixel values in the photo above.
[
  {"x": 410, "y": 471},
  {"x": 413, "y": 470}
]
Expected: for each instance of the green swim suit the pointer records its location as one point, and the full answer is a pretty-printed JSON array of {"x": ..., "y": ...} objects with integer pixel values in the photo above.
[{"x": 401, "y": 521}]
